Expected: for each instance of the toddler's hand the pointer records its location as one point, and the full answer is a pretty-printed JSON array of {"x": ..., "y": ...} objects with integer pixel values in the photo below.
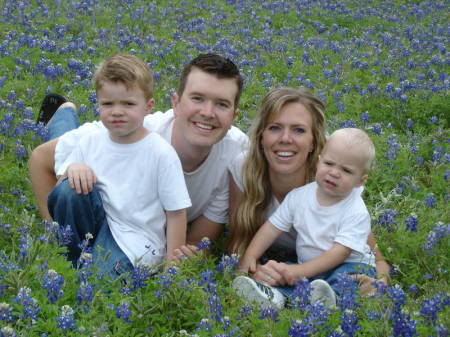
[{"x": 81, "y": 178}]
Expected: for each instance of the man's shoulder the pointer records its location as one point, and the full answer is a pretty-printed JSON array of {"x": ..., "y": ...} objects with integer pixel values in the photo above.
[{"x": 235, "y": 139}]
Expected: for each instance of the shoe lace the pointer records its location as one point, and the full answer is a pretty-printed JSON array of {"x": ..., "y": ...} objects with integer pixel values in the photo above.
[{"x": 265, "y": 289}]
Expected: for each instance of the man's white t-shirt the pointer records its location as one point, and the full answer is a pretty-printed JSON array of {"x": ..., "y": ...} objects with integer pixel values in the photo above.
[
  {"x": 138, "y": 182},
  {"x": 207, "y": 186},
  {"x": 319, "y": 227}
]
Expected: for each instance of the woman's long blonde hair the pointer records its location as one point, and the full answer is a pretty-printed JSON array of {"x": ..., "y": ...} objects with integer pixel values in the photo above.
[{"x": 257, "y": 194}]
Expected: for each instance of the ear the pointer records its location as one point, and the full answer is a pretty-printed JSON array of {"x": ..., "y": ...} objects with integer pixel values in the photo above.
[
  {"x": 362, "y": 180},
  {"x": 175, "y": 100},
  {"x": 150, "y": 105}
]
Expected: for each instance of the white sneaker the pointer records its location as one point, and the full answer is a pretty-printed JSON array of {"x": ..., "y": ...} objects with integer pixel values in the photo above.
[
  {"x": 253, "y": 291},
  {"x": 323, "y": 293}
]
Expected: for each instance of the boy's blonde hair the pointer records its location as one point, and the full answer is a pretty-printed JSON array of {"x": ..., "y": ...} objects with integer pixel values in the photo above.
[
  {"x": 127, "y": 69},
  {"x": 353, "y": 137}
]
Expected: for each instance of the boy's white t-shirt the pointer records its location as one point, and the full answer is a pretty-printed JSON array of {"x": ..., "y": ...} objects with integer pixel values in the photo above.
[
  {"x": 138, "y": 182},
  {"x": 208, "y": 186},
  {"x": 319, "y": 227}
]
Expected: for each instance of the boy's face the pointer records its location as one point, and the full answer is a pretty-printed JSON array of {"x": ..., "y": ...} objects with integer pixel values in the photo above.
[
  {"x": 122, "y": 111},
  {"x": 205, "y": 111},
  {"x": 339, "y": 170}
]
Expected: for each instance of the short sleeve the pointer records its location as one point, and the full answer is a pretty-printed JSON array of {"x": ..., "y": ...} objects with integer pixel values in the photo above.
[
  {"x": 217, "y": 208},
  {"x": 172, "y": 189},
  {"x": 354, "y": 231},
  {"x": 283, "y": 218},
  {"x": 235, "y": 169}
]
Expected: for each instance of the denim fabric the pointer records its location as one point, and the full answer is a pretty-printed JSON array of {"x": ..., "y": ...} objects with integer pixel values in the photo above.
[
  {"x": 64, "y": 119},
  {"x": 85, "y": 214},
  {"x": 331, "y": 276}
]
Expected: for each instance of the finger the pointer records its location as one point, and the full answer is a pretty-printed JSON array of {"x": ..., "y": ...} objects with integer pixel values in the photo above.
[{"x": 84, "y": 185}]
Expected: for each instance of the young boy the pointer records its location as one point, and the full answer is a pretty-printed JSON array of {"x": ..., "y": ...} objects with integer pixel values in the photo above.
[
  {"x": 332, "y": 224},
  {"x": 134, "y": 194}
]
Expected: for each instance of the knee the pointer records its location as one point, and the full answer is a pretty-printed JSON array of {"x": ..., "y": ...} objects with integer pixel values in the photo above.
[
  {"x": 63, "y": 193},
  {"x": 68, "y": 105}
]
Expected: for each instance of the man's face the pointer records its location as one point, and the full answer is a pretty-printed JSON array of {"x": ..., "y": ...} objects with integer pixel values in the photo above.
[{"x": 205, "y": 111}]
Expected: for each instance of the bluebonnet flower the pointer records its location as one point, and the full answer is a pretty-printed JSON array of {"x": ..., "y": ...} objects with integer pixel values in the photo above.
[
  {"x": 413, "y": 289},
  {"x": 434, "y": 120},
  {"x": 207, "y": 278},
  {"x": 430, "y": 201},
  {"x": 85, "y": 293},
  {"x": 215, "y": 308},
  {"x": 387, "y": 219},
  {"x": 228, "y": 263},
  {"x": 411, "y": 223},
  {"x": 204, "y": 325},
  {"x": 270, "y": 313},
  {"x": 300, "y": 328},
  {"x": 21, "y": 153},
  {"x": 393, "y": 147},
  {"x": 7, "y": 331},
  {"x": 402, "y": 324},
  {"x": 364, "y": 117},
  {"x": 53, "y": 282},
  {"x": 205, "y": 244},
  {"x": 30, "y": 306},
  {"x": 409, "y": 124},
  {"x": 441, "y": 330},
  {"x": 347, "y": 288},
  {"x": 245, "y": 311},
  {"x": 123, "y": 311},
  {"x": 439, "y": 232},
  {"x": 66, "y": 320},
  {"x": 6, "y": 312},
  {"x": 432, "y": 306},
  {"x": 301, "y": 293}
]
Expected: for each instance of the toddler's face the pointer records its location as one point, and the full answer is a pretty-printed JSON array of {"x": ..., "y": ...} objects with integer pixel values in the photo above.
[{"x": 339, "y": 170}]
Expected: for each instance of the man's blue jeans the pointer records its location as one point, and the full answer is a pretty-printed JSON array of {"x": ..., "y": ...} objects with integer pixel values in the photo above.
[{"x": 84, "y": 213}]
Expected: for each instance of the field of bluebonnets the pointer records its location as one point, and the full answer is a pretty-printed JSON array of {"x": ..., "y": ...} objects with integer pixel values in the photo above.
[{"x": 379, "y": 65}]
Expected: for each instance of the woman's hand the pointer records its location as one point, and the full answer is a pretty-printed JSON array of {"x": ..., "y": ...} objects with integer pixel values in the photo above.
[{"x": 270, "y": 273}]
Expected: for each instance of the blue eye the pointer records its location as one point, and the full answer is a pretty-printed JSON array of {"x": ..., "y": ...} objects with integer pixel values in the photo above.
[
  {"x": 273, "y": 128},
  {"x": 299, "y": 130}
]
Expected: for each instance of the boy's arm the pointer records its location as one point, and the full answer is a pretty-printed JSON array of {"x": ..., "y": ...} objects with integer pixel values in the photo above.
[
  {"x": 175, "y": 232},
  {"x": 42, "y": 175},
  {"x": 262, "y": 240},
  {"x": 81, "y": 178},
  {"x": 326, "y": 261}
]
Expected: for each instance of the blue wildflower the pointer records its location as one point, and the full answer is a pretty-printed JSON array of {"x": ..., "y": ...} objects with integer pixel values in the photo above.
[
  {"x": 6, "y": 312},
  {"x": 387, "y": 219},
  {"x": 270, "y": 313},
  {"x": 53, "y": 282},
  {"x": 301, "y": 293},
  {"x": 205, "y": 244},
  {"x": 30, "y": 306},
  {"x": 66, "y": 320},
  {"x": 7, "y": 331},
  {"x": 411, "y": 223},
  {"x": 123, "y": 312},
  {"x": 432, "y": 306},
  {"x": 430, "y": 201},
  {"x": 439, "y": 232},
  {"x": 300, "y": 328},
  {"x": 228, "y": 263}
]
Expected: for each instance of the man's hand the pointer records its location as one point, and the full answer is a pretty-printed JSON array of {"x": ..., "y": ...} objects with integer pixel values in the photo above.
[{"x": 81, "y": 178}]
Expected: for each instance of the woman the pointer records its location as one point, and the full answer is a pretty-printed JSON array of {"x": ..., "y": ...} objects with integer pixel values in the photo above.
[{"x": 285, "y": 141}]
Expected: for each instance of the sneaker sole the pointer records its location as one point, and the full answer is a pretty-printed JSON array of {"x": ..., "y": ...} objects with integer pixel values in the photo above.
[{"x": 248, "y": 290}]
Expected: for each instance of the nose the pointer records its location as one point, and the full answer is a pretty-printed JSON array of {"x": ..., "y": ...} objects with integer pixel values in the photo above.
[
  {"x": 116, "y": 111},
  {"x": 207, "y": 110},
  {"x": 334, "y": 172},
  {"x": 286, "y": 136}
]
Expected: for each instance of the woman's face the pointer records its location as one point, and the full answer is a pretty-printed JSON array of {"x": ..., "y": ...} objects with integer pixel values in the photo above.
[{"x": 288, "y": 139}]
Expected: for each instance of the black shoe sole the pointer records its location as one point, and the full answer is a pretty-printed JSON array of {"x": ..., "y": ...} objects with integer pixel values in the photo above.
[{"x": 49, "y": 105}]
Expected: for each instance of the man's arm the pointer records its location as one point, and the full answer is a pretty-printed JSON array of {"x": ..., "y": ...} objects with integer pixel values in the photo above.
[
  {"x": 42, "y": 175},
  {"x": 203, "y": 227},
  {"x": 175, "y": 232}
]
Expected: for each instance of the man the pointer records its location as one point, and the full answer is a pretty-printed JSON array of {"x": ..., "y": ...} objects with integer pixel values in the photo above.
[{"x": 199, "y": 127}]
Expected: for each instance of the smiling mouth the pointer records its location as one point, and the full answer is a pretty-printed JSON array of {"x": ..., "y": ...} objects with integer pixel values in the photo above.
[
  {"x": 285, "y": 154},
  {"x": 202, "y": 126}
]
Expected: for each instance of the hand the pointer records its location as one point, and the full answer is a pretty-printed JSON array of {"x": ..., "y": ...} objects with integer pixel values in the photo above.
[
  {"x": 366, "y": 286},
  {"x": 269, "y": 274},
  {"x": 247, "y": 264},
  {"x": 81, "y": 178},
  {"x": 184, "y": 252}
]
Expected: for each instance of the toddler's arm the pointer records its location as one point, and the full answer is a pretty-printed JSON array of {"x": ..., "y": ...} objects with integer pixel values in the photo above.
[
  {"x": 265, "y": 236},
  {"x": 175, "y": 232},
  {"x": 81, "y": 177},
  {"x": 326, "y": 261}
]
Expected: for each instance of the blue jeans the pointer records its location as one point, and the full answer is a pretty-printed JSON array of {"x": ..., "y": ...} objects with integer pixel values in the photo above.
[
  {"x": 64, "y": 119},
  {"x": 331, "y": 276}
]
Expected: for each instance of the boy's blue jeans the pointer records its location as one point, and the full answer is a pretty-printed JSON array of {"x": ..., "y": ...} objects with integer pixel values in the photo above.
[
  {"x": 331, "y": 276},
  {"x": 84, "y": 213}
]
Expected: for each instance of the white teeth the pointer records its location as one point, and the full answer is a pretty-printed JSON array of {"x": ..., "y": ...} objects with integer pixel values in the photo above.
[
  {"x": 285, "y": 154},
  {"x": 204, "y": 126}
]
